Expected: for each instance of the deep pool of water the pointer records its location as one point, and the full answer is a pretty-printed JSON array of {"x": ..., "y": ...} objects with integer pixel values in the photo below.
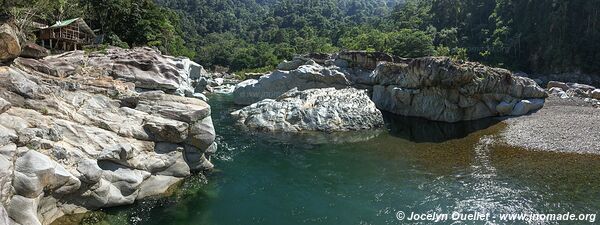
[{"x": 365, "y": 178}]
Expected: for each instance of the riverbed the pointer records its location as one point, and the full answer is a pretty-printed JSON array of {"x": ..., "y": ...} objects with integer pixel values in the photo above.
[{"x": 413, "y": 166}]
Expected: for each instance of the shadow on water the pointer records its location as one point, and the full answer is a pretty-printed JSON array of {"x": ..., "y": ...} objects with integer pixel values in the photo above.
[
  {"x": 410, "y": 128},
  {"x": 416, "y": 165},
  {"x": 425, "y": 131}
]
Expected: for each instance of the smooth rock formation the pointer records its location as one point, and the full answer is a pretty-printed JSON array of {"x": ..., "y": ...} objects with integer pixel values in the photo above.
[
  {"x": 313, "y": 110},
  {"x": 308, "y": 76},
  {"x": 76, "y": 136},
  {"x": 10, "y": 47},
  {"x": 525, "y": 106},
  {"x": 435, "y": 88},
  {"x": 505, "y": 108},
  {"x": 145, "y": 67}
]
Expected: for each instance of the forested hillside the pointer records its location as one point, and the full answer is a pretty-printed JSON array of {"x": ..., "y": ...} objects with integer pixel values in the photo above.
[
  {"x": 545, "y": 36},
  {"x": 541, "y": 36},
  {"x": 254, "y": 34}
]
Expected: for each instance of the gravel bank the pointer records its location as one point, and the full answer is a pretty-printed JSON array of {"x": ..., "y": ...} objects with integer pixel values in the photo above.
[{"x": 563, "y": 125}]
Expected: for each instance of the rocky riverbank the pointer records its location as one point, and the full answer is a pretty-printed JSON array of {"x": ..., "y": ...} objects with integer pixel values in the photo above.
[
  {"x": 567, "y": 123},
  {"x": 82, "y": 131}
]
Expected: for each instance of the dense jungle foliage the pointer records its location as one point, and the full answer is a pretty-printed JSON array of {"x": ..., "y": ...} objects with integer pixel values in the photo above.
[{"x": 539, "y": 36}]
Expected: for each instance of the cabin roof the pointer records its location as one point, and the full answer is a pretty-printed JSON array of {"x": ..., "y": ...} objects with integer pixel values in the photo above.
[{"x": 75, "y": 21}]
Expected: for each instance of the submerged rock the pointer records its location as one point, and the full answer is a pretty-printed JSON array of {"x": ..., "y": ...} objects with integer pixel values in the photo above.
[
  {"x": 313, "y": 110},
  {"x": 74, "y": 136}
]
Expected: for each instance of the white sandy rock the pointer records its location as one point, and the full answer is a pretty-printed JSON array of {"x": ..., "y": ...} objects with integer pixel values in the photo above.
[
  {"x": 88, "y": 139},
  {"x": 313, "y": 110},
  {"x": 526, "y": 106}
]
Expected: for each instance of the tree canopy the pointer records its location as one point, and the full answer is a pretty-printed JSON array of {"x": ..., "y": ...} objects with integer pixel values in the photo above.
[{"x": 545, "y": 36}]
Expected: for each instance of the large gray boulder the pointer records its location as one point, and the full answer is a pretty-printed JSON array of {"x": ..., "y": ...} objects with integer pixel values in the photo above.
[
  {"x": 325, "y": 109},
  {"x": 308, "y": 76},
  {"x": 525, "y": 106},
  {"x": 24, "y": 210},
  {"x": 32, "y": 50},
  {"x": 437, "y": 88},
  {"x": 36, "y": 172},
  {"x": 10, "y": 48},
  {"x": 88, "y": 140}
]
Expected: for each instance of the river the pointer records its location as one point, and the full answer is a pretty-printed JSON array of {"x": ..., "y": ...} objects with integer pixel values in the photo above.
[{"x": 413, "y": 166}]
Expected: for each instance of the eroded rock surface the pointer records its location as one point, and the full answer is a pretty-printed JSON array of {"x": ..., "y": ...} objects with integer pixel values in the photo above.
[
  {"x": 324, "y": 109},
  {"x": 76, "y": 136},
  {"x": 307, "y": 76},
  {"x": 435, "y": 88},
  {"x": 440, "y": 89},
  {"x": 147, "y": 68}
]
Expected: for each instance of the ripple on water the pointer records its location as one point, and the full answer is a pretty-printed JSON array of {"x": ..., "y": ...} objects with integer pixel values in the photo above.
[{"x": 413, "y": 166}]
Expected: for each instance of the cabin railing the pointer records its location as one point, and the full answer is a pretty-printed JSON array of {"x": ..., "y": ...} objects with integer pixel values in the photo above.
[{"x": 71, "y": 35}]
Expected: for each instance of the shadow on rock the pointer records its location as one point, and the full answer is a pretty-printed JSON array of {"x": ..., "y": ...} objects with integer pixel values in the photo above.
[{"x": 421, "y": 130}]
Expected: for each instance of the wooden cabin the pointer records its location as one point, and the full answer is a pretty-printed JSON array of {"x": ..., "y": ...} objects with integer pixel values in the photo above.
[{"x": 66, "y": 35}]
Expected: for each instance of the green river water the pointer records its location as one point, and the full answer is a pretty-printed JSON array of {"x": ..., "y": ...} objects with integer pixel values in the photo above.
[{"x": 366, "y": 178}]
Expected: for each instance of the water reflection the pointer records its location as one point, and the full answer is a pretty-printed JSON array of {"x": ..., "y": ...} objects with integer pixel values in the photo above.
[
  {"x": 421, "y": 130},
  {"x": 272, "y": 180},
  {"x": 317, "y": 138}
]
